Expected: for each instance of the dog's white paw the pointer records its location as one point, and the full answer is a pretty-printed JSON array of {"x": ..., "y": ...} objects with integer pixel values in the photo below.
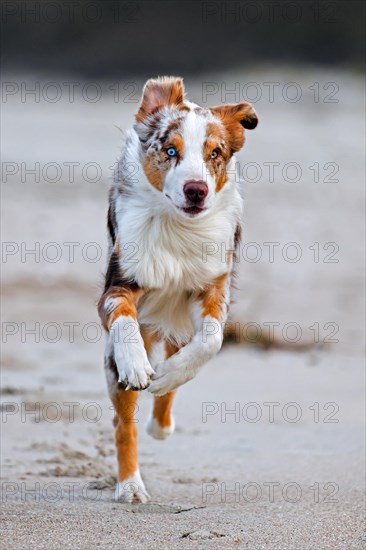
[
  {"x": 133, "y": 366},
  {"x": 158, "y": 432},
  {"x": 137, "y": 376},
  {"x": 165, "y": 384},
  {"x": 131, "y": 490},
  {"x": 165, "y": 380}
]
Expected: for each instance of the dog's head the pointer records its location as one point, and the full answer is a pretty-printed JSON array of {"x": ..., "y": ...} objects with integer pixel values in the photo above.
[{"x": 187, "y": 149}]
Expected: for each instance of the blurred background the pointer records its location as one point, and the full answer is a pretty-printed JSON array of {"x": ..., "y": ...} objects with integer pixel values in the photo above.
[
  {"x": 108, "y": 38},
  {"x": 71, "y": 77}
]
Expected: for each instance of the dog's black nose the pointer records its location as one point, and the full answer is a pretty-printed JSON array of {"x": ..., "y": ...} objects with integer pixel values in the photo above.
[{"x": 195, "y": 191}]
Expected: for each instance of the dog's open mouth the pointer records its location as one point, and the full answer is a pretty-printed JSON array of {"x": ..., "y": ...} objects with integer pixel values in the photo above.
[
  {"x": 193, "y": 210},
  {"x": 190, "y": 210}
]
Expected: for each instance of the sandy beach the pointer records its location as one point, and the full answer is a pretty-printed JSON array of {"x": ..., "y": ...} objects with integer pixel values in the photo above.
[{"x": 268, "y": 451}]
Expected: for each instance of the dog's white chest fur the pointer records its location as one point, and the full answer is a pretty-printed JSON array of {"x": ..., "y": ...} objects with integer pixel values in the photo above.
[
  {"x": 163, "y": 252},
  {"x": 175, "y": 259}
]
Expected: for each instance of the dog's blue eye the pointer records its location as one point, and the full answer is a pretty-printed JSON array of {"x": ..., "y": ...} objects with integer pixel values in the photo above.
[{"x": 171, "y": 152}]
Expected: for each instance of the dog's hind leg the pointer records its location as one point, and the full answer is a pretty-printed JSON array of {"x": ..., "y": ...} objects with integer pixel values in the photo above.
[
  {"x": 161, "y": 422},
  {"x": 130, "y": 487}
]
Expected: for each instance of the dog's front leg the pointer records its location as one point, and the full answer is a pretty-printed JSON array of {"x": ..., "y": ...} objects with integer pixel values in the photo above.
[
  {"x": 117, "y": 309},
  {"x": 209, "y": 315}
]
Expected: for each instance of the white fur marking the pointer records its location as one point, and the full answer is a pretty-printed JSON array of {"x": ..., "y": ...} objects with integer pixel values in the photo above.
[
  {"x": 184, "y": 365},
  {"x": 130, "y": 354},
  {"x": 156, "y": 431},
  {"x": 131, "y": 489}
]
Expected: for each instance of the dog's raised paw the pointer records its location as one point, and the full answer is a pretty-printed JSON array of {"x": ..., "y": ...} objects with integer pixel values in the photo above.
[
  {"x": 139, "y": 378},
  {"x": 156, "y": 431},
  {"x": 133, "y": 366},
  {"x": 131, "y": 490},
  {"x": 136, "y": 378}
]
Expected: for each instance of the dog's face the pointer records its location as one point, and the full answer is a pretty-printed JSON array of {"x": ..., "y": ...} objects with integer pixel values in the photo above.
[{"x": 186, "y": 148}]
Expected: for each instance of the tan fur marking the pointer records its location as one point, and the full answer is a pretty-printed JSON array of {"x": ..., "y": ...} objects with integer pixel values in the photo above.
[
  {"x": 162, "y": 408},
  {"x": 170, "y": 349},
  {"x": 149, "y": 337},
  {"x": 176, "y": 141},
  {"x": 156, "y": 165},
  {"x": 217, "y": 138},
  {"x": 127, "y": 300},
  {"x": 154, "y": 172},
  {"x": 234, "y": 128},
  {"x": 235, "y": 118},
  {"x": 163, "y": 405},
  {"x": 125, "y": 404},
  {"x": 213, "y": 297},
  {"x": 158, "y": 93}
]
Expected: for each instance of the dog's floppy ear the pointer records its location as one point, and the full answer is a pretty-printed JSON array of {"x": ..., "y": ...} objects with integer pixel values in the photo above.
[
  {"x": 244, "y": 113},
  {"x": 158, "y": 93},
  {"x": 236, "y": 117}
]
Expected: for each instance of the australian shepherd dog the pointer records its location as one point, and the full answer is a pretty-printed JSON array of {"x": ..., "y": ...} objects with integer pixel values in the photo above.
[{"x": 174, "y": 205}]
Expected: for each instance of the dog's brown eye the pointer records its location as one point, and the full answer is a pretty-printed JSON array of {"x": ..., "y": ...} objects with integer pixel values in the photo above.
[{"x": 215, "y": 153}]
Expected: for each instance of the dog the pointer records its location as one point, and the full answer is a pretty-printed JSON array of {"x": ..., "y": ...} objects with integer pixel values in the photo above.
[{"x": 174, "y": 203}]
